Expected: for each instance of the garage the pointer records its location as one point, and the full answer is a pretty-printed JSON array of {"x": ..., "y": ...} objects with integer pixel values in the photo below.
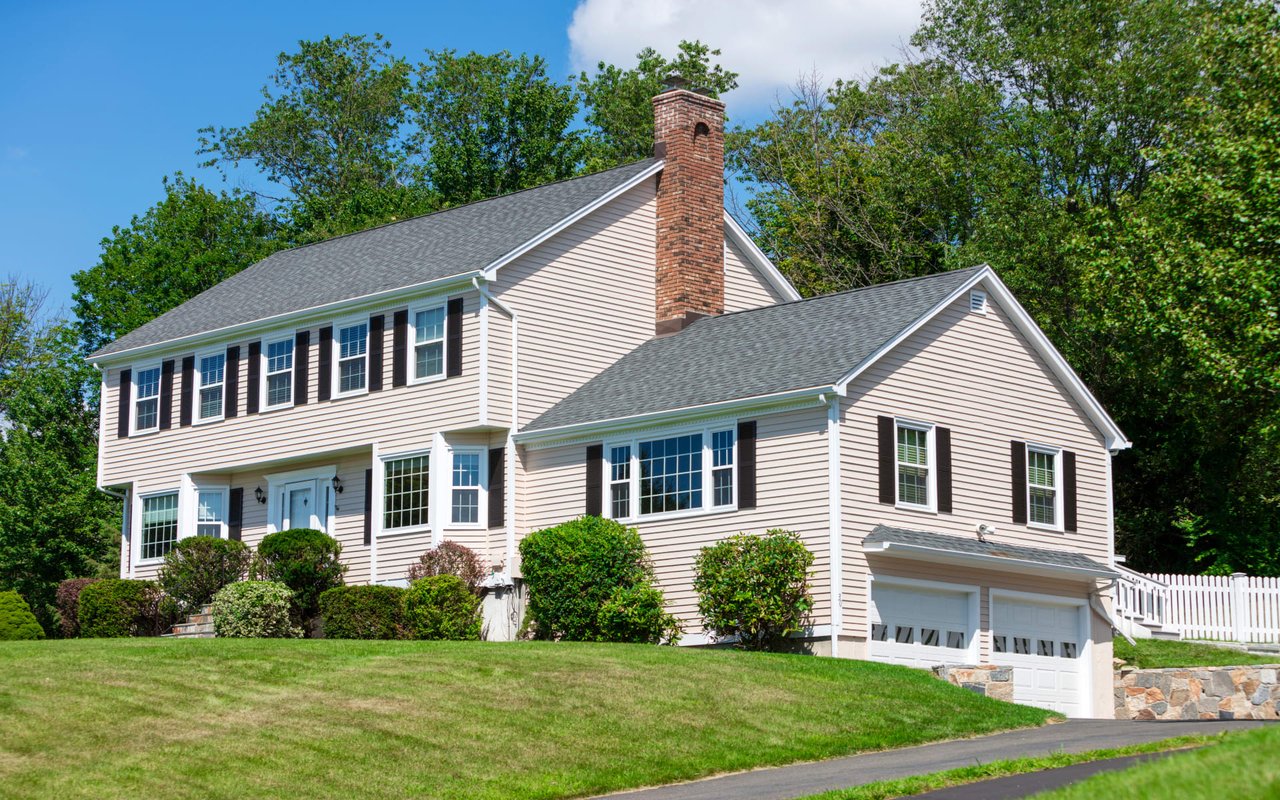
[
  {"x": 921, "y": 624},
  {"x": 1044, "y": 639}
]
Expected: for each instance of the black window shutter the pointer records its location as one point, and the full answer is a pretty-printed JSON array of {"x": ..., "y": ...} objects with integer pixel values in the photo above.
[
  {"x": 123, "y": 399},
  {"x": 324, "y": 374},
  {"x": 1018, "y": 480},
  {"x": 1069, "y": 510},
  {"x": 368, "y": 507},
  {"x": 166, "y": 395},
  {"x": 453, "y": 338},
  {"x": 400, "y": 346},
  {"x": 231, "y": 384},
  {"x": 498, "y": 487},
  {"x": 595, "y": 478},
  {"x": 885, "y": 430},
  {"x": 942, "y": 439},
  {"x": 235, "y": 514},
  {"x": 301, "y": 366},
  {"x": 376, "y": 324},
  {"x": 255, "y": 378},
  {"x": 747, "y": 464},
  {"x": 188, "y": 390}
]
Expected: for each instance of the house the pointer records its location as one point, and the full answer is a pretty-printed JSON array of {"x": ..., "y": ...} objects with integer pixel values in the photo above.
[{"x": 615, "y": 344}]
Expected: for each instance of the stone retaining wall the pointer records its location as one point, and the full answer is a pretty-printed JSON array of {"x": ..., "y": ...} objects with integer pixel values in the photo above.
[
  {"x": 1204, "y": 693},
  {"x": 987, "y": 680}
]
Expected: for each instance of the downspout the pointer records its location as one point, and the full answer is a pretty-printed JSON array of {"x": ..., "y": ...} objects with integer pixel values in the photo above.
[
  {"x": 836, "y": 557},
  {"x": 510, "y": 449}
]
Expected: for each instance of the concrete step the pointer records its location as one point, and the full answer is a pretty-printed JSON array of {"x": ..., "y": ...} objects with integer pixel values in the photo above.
[{"x": 196, "y": 626}]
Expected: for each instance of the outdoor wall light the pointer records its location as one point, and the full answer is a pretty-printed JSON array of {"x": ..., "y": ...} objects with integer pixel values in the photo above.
[
  {"x": 260, "y": 495},
  {"x": 337, "y": 484}
]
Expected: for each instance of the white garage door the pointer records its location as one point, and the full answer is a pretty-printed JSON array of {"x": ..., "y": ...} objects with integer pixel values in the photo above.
[
  {"x": 1044, "y": 642},
  {"x": 920, "y": 627}
]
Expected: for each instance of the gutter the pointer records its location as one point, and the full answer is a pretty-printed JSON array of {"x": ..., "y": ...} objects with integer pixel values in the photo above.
[{"x": 920, "y": 552}]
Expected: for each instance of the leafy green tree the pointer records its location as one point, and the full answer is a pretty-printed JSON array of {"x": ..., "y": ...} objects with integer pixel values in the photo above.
[
  {"x": 492, "y": 124},
  {"x": 618, "y": 101},
  {"x": 186, "y": 243},
  {"x": 54, "y": 523},
  {"x": 23, "y": 330}
]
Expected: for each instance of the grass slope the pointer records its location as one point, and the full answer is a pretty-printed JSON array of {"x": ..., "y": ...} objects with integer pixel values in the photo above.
[
  {"x": 1242, "y": 767},
  {"x": 240, "y": 718},
  {"x": 1160, "y": 654}
]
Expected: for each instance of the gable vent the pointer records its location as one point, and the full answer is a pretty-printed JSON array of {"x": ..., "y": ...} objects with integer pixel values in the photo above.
[{"x": 978, "y": 301}]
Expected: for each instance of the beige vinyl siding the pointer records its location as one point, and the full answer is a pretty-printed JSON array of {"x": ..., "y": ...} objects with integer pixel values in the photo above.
[
  {"x": 499, "y": 387},
  {"x": 744, "y": 286},
  {"x": 792, "y": 493},
  {"x": 977, "y": 375}
]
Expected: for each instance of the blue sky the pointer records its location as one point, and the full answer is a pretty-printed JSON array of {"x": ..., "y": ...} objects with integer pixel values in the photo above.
[{"x": 99, "y": 101}]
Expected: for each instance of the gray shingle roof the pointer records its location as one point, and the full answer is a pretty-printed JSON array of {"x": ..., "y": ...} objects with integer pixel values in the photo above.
[
  {"x": 402, "y": 254},
  {"x": 778, "y": 348},
  {"x": 971, "y": 546}
]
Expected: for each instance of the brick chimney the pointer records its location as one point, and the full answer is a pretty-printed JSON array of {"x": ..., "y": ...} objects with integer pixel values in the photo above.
[{"x": 688, "y": 131}]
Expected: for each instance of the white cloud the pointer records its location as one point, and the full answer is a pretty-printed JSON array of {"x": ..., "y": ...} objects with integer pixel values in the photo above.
[{"x": 770, "y": 42}]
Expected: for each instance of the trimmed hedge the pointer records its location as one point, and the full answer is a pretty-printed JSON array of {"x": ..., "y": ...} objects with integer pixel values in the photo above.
[
  {"x": 450, "y": 558},
  {"x": 755, "y": 588},
  {"x": 198, "y": 566},
  {"x": 304, "y": 560},
  {"x": 16, "y": 620},
  {"x": 113, "y": 608},
  {"x": 441, "y": 607},
  {"x": 68, "y": 602},
  {"x": 363, "y": 612},
  {"x": 254, "y": 610}
]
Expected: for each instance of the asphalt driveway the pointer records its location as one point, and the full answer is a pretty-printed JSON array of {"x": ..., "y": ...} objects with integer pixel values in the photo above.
[{"x": 801, "y": 780}]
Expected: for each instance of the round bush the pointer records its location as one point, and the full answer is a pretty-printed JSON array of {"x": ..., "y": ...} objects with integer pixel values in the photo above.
[
  {"x": 755, "y": 588},
  {"x": 254, "y": 610},
  {"x": 450, "y": 558},
  {"x": 112, "y": 608},
  {"x": 304, "y": 560},
  {"x": 198, "y": 566},
  {"x": 573, "y": 569},
  {"x": 636, "y": 614},
  {"x": 16, "y": 620},
  {"x": 68, "y": 602},
  {"x": 363, "y": 612},
  {"x": 441, "y": 607}
]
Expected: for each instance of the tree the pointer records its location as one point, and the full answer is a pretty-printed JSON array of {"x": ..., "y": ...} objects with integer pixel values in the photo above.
[
  {"x": 23, "y": 329},
  {"x": 492, "y": 124},
  {"x": 186, "y": 243},
  {"x": 54, "y": 523},
  {"x": 619, "y": 105}
]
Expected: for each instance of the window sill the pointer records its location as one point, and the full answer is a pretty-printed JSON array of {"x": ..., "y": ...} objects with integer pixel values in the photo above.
[
  {"x": 266, "y": 409},
  {"x": 1040, "y": 526},
  {"x": 149, "y": 562},
  {"x": 346, "y": 395},
  {"x": 147, "y": 432},
  {"x": 409, "y": 531},
  {"x": 917, "y": 509},
  {"x": 430, "y": 379},
  {"x": 207, "y": 421},
  {"x": 666, "y": 515},
  {"x": 465, "y": 526}
]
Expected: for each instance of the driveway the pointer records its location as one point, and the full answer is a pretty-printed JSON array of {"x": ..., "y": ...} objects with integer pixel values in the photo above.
[{"x": 801, "y": 780}]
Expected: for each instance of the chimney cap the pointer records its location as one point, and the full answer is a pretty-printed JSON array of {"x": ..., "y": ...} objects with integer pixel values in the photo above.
[{"x": 674, "y": 82}]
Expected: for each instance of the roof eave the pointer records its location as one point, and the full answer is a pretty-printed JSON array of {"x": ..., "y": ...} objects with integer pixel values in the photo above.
[{"x": 936, "y": 555}]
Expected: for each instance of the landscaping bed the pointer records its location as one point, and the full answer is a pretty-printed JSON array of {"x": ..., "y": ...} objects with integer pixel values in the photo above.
[{"x": 210, "y": 718}]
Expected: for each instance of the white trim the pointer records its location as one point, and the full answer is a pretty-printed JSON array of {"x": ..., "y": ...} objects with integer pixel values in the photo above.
[
  {"x": 291, "y": 336},
  {"x": 484, "y": 361},
  {"x": 411, "y": 340},
  {"x": 1059, "y": 523},
  {"x": 834, "y": 500},
  {"x": 321, "y": 477},
  {"x": 758, "y": 259},
  {"x": 481, "y": 488},
  {"x": 335, "y": 357},
  {"x": 193, "y": 516},
  {"x": 376, "y": 488},
  {"x": 492, "y": 270},
  {"x": 931, "y": 466},
  {"x": 379, "y": 510},
  {"x": 197, "y": 397},
  {"x": 935, "y": 555},
  {"x": 973, "y": 595},
  {"x": 1111, "y": 512},
  {"x": 708, "y": 473},
  {"x": 126, "y": 534},
  {"x": 133, "y": 397},
  {"x": 139, "y": 498},
  {"x": 102, "y": 425}
]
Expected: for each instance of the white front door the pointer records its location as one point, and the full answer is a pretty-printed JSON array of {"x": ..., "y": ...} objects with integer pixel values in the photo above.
[
  {"x": 298, "y": 506},
  {"x": 921, "y": 626},
  {"x": 1044, "y": 640}
]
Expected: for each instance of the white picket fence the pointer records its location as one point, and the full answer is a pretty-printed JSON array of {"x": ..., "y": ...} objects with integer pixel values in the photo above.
[{"x": 1238, "y": 608}]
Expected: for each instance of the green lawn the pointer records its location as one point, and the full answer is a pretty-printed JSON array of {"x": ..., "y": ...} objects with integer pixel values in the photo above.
[
  {"x": 1244, "y": 766},
  {"x": 1159, "y": 654},
  {"x": 314, "y": 719}
]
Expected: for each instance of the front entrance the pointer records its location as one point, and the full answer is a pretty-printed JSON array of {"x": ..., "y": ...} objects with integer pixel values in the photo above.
[
  {"x": 302, "y": 499},
  {"x": 299, "y": 506}
]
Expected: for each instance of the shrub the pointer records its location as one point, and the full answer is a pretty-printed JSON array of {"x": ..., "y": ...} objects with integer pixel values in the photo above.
[
  {"x": 450, "y": 558},
  {"x": 16, "y": 620},
  {"x": 304, "y": 560},
  {"x": 755, "y": 588},
  {"x": 363, "y": 612},
  {"x": 112, "y": 607},
  {"x": 68, "y": 602},
  {"x": 573, "y": 569},
  {"x": 198, "y": 566},
  {"x": 441, "y": 607},
  {"x": 254, "y": 610},
  {"x": 636, "y": 614}
]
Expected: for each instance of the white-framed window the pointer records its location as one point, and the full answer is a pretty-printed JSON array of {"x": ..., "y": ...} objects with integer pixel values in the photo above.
[
  {"x": 406, "y": 493},
  {"x": 211, "y": 512},
  {"x": 351, "y": 343},
  {"x": 426, "y": 347},
  {"x": 212, "y": 375},
  {"x": 687, "y": 472},
  {"x": 277, "y": 386},
  {"x": 146, "y": 399},
  {"x": 466, "y": 486},
  {"x": 158, "y": 525},
  {"x": 1044, "y": 487},
  {"x": 913, "y": 455}
]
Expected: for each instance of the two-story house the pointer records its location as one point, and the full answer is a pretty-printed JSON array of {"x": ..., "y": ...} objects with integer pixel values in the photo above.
[{"x": 615, "y": 344}]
